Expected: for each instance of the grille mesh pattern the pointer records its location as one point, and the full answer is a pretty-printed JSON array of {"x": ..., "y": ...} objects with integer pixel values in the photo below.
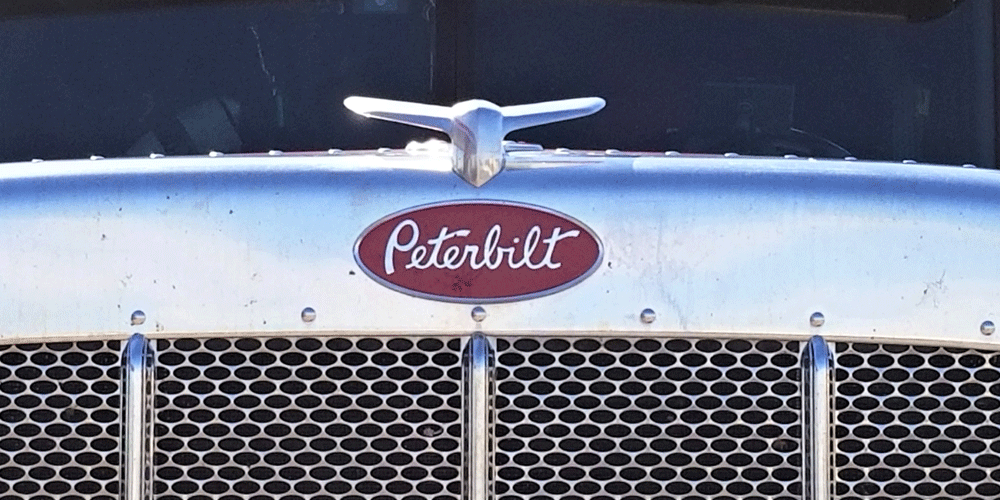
[
  {"x": 577, "y": 419},
  {"x": 638, "y": 419},
  {"x": 296, "y": 418},
  {"x": 59, "y": 421},
  {"x": 917, "y": 423}
]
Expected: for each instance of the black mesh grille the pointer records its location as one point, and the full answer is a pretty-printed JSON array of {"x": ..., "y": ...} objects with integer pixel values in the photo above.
[
  {"x": 296, "y": 418},
  {"x": 917, "y": 423},
  {"x": 59, "y": 421},
  {"x": 636, "y": 419}
]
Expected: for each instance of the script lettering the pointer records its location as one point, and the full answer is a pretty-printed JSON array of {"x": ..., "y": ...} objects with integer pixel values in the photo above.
[
  {"x": 393, "y": 244},
  {"x": 451, "y": 249}
]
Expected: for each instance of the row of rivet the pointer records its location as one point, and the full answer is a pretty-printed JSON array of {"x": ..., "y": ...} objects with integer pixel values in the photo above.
[
  {"x": 216, "y": 154},
  {"x": 562, "y": 151},
  {"x": 647, "y": 316},
  {"x": 986, "y": 328}
]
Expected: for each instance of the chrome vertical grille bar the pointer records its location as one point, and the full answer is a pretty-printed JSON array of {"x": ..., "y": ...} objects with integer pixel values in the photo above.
[
  {"x": 477, "y": 363},
  {"x": 137, "y": 420},
  {"x": 817, "y": 381}
]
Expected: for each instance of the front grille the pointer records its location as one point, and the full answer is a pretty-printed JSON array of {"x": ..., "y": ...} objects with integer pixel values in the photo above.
[
  {"x": 603, "y": 419},
  {"x": 575, "y": 419},
  {"x": 293, "y": 418},
  {"x": 917, "y": 422},
  {"x": 59, "y": 421}
]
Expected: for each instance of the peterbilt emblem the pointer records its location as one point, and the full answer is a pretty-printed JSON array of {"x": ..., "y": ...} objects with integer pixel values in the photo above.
[{"x": 478, "y": 251}]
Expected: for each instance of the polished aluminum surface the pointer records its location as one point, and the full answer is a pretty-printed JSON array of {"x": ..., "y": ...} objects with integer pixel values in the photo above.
[
  {"x": 311, "y": 417},
  {"x": 724, "y": 246},
  {"x": 138, "y": 369},
  {"x": 917, "y": 422},
  {"x": 59, "y": 420},
  {"x": 817, "y": 424},
  {"x": 477, "y": 372},
  {"x": 477, "y": 128}
]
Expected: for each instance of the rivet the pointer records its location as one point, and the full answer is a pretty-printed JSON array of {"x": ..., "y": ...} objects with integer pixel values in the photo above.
[
  {"x": 817, "y": 319},
  {"x": 612, "y": 152},
  {"x": 37, "y": 160},
  {"x": 274, "y": 152},
  {"x": 968, "y": 165},
  {"x": 563, "y": 151},
  {"x": 508, "y": 146},
  {"x": 308, "y": 315},
  {"x": 215, "y": 154},
  {"x": 383, "y": 151},
  {"x": 850, "y": 158},
  {"x": 155, "y": 155},
  {"x": 96, "y": 157},
  {"x": 138, "y": 318},
  {"x": 334, "y": 151},
  {"x": 791, "y": 157},
  {"x": 987, "y": 327},
  {"x": 731, "y": 155},
  {"x": 478, "y": 313},
  {"x": 910, "y": 162},
  {"x": 672, "y": 153},
  {"x": 647, "y": 316}
]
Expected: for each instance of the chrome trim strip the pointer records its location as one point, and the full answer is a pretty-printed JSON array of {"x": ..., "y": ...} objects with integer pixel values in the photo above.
[
  {"x": 477, "y": 361},
  {"x": 817, "y": 423},
  {"x": 138, "y": 369}
]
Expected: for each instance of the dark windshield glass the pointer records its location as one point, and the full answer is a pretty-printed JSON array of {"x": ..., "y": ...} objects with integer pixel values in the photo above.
[
  {"x": 913, "y": 82},
  {"x": 715, "y": 79},
  {"x": 189, "y": 79}
]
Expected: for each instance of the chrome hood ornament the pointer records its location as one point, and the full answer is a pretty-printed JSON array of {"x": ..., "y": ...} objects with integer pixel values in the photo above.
[{"x": 476, "y": 127}]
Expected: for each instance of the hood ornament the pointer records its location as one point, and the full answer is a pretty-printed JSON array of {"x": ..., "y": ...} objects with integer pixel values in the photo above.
[{"x": 477, "y": 128}]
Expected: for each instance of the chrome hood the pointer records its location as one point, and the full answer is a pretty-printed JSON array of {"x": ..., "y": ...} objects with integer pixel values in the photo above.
[{"x": 703, "y": 244}]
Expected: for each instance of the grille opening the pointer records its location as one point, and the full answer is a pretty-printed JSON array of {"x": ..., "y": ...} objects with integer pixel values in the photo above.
[
  {"x": 593, "y": 419},
  {"x": 916, "y": 421},
  {"x": 318, "y": 418},
  {"x": 59, "y": 420}
]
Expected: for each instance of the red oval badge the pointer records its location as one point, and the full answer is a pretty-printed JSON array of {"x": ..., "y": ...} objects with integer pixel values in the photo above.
[{"x": 478, "y": 251}]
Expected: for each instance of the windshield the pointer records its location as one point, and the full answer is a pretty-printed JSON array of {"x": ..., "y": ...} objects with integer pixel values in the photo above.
[{"x": 765, "y": 77}]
